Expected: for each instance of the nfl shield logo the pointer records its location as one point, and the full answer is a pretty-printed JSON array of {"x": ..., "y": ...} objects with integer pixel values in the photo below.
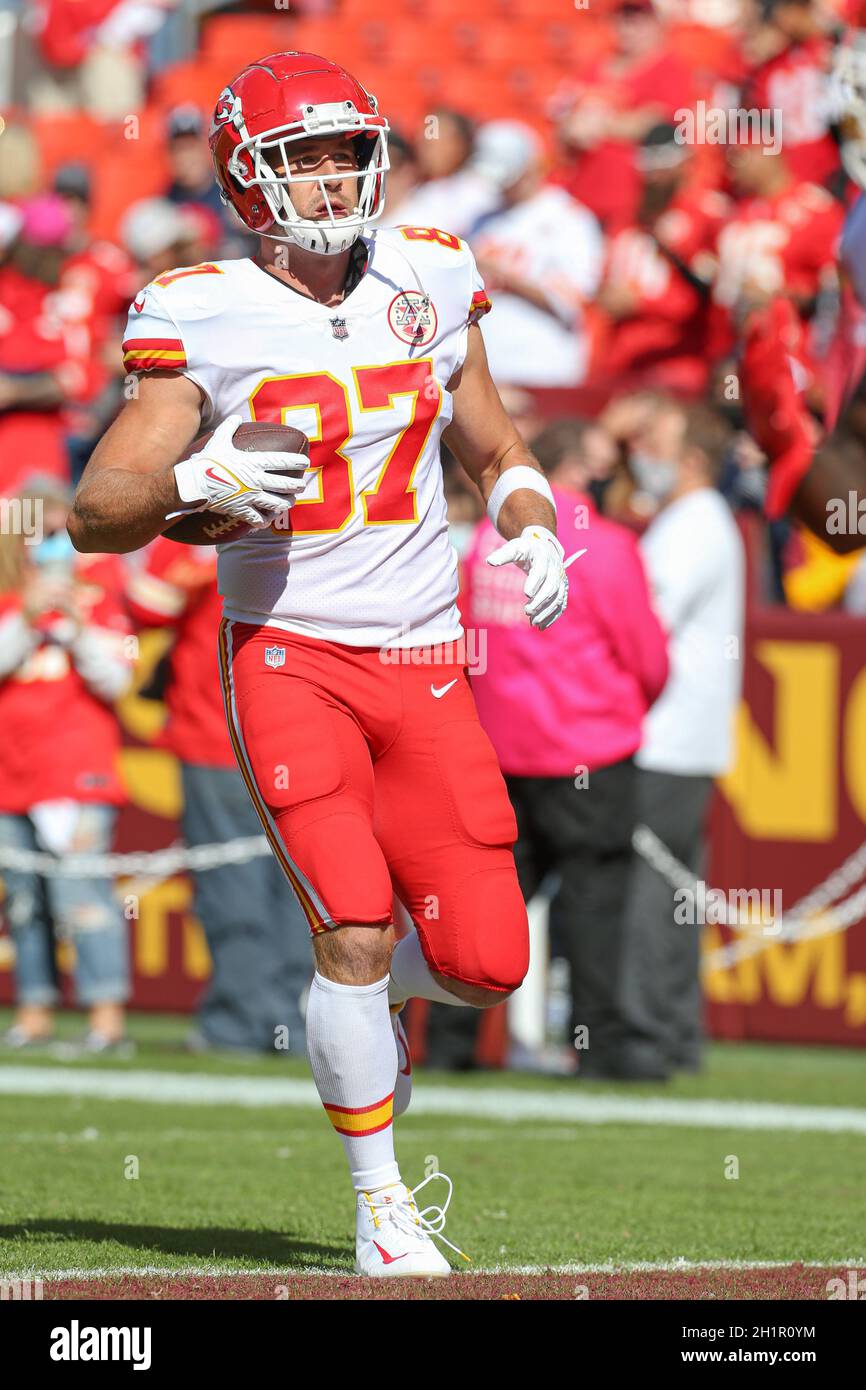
[
  {"x": 275, "y": 656},
  {"x": 339, "y": 329}
]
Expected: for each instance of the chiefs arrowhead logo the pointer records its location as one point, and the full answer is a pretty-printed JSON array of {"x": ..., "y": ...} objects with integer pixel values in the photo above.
[{"x": 227, "y": 107}]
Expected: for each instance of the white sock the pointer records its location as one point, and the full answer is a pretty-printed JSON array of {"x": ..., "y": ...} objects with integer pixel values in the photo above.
[
  {"x": 353, "y": 1055},
  {"x": 411, "y": 978}
]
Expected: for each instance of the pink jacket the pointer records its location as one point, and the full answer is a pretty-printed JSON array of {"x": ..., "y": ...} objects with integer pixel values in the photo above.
[{"x": 574, "y": 695}]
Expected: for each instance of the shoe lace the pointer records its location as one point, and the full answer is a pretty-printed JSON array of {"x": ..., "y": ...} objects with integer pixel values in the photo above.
[{"x": 407, "y": 1217}]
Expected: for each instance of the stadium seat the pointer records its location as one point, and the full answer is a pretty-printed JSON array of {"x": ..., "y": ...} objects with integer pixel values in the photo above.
[
  {"x": 127, "y": 171},
  {"x": 442, "y": 12},
  {"x": 243, "y": 38},
  {"x": 401, "y": 99},
  {"x": 194, "y": 81},
  {"x": 710, "y": 53},
  {"x": 490, "y": 96},
  {"x": 406, "y": 41},
  {"x": 538, "y": 10},
  {"x": 70, "y": 136},
  {"x": 501, "y": 46},
  {"x": 576, "y": 43},
  {"x": 327, "y": 36}
]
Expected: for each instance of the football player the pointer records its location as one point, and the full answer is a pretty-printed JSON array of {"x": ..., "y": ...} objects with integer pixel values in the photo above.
[{"x": 346, "y": 691}]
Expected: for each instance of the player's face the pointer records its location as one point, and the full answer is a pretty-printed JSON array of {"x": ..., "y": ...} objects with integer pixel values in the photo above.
[{"x": 322, "y": 165}]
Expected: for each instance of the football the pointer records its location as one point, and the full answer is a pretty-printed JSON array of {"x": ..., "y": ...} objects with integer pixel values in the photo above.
[{"x": 214, "y": 528}]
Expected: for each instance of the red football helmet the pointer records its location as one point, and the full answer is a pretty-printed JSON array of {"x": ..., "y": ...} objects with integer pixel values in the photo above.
[{"x": 288, "y": 97}]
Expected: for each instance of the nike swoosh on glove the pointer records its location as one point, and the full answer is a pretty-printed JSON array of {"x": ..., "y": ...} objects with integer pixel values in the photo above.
[
  {"x": 537, "y": 551},
  {"x": 253, "y": 487}
]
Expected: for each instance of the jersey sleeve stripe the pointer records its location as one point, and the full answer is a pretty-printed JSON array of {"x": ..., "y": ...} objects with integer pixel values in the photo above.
[
  {"x": 142, "y": 353},
  {"x": 152, "y": 343},
  {"x": 481, "y": 304}
]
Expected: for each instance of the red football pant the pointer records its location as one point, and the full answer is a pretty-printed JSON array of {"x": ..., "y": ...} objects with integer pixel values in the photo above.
[{"x": 372, "y": 776}]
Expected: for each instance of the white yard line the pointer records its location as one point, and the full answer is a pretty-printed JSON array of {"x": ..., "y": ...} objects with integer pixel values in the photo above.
[
  {"x": 498, "y": 1103},
  {"x": 680, "y": 1266}
]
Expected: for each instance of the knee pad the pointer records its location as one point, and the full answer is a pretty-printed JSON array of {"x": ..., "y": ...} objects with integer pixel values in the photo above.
[{"x": 482, "y": 938}]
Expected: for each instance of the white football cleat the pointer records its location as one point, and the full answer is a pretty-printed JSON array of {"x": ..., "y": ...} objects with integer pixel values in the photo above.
[
  {"x": 403, "y": 1083},
  {"x": 394, "y": 1239}
]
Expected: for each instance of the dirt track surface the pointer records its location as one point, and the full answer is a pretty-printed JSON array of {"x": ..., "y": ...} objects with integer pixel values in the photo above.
[{"x": 792, "y": 1281}]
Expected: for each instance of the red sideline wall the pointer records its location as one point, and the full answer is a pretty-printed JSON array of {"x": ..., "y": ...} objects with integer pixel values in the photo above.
[{"x": 791, "y": 812}]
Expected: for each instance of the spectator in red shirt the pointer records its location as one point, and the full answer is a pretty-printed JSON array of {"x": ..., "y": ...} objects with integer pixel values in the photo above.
[
  {"x": 45, "y": 365},
  {"x": 93, "y": 53},
  {"x": 613, "y": 105},
  {"x": 96, "y": 283},
  {"x": 102, "y": 274},
  {"x": 566, "y": 725},
  {"x": 782, "y": 238},
  {"x": 659, "y": 273},
  {"x": 64, "y": 660},
  {"x": 69, "y": 32},
  {"x": 792, "y": 77},
  {"x": 256, "y": 934}
]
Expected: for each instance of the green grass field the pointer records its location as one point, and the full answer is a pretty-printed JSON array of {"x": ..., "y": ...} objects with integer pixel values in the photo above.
[{"x": 224, "y": 1188}]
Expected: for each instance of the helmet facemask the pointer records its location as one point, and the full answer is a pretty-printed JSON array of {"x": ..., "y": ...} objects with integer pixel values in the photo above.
[{"x": 257, "y": 158}]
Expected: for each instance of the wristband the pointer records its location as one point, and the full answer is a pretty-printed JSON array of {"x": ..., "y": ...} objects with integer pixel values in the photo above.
[
  {"x": 187, "y": 482},
  {"x": 521, "y": 476}
]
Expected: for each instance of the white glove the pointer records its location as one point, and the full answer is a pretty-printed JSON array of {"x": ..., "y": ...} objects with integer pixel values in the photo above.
[
  {"x": 253, "y": 487},
  {"x": 537, "y": 551}
]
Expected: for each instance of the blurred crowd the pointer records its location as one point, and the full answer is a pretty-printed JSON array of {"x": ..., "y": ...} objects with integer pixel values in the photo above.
[
  {"x": 688, "y": 168},
  {"x": 684, "y": 165}
]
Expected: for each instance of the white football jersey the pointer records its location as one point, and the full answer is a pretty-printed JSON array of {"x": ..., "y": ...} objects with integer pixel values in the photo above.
[{"x": 363, "y": 557}]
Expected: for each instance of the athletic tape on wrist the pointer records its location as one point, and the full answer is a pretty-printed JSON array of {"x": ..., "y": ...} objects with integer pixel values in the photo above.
[{"x": 521, "y": 476}]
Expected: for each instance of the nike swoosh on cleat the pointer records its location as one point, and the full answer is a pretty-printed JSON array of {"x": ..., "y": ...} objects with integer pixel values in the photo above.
[
  {"x": 389, "y": 1259},
  {"x": 443, "y": 690}
]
